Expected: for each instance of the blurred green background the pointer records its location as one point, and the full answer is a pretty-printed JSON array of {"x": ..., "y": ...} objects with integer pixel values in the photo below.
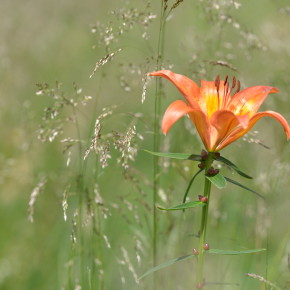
[{"x": 49, "y": 41}]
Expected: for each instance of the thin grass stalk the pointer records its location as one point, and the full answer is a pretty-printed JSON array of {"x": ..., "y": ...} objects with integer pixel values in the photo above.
[
  {"x": 203, "y": 225},
  {"x": 96, "y": 278},
  {"x": 80, "y": 198},
  {"x": 98, "y": 231},
  {"x": 156, "y": 141}
]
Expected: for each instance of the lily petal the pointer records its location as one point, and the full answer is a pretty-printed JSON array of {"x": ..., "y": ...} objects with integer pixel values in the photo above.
[
  {"x": 204, "y": 129},
  {"x": 186, "y": 86},
  {"x": 178, "y": 109},
  {"x": 225, "y": 122},
  {"x": 240, "y": 132},
  {"x": 175, "y": 111},
  {"x": 250, "y": 99}
]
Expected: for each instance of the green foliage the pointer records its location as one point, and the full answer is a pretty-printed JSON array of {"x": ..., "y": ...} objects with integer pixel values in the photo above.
[
  {"x": 242, "y": 186},
  {"x": 233, "y": 166},
  {"x": 166, "y": 264},
  {"x": 218, "y": 180},
  {"x": 230, "y": 252},
  {"x": 181, "y": 156},
  {"x": 187, "y": 205}
]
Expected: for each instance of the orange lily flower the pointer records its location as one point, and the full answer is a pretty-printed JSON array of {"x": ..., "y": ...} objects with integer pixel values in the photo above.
[{"x": 220, "y": 111}]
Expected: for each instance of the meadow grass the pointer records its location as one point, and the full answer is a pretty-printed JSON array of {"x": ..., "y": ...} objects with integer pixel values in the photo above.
[{"x": 77, "y": 190}]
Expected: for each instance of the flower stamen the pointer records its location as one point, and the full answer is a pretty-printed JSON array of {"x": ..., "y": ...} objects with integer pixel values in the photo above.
[{"x": 217, "y": 85}]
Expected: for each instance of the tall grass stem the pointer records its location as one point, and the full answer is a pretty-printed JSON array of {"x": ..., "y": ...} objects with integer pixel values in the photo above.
[{"x": 156, "y": 141}]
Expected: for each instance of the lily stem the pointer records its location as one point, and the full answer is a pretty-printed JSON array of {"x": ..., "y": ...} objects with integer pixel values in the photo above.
[{"x": 203, "y": 225}]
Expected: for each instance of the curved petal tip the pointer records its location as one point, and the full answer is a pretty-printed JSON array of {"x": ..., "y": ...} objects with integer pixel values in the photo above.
[
  {"x": 174, "y": 112},
  {"x": 271, "y": 90}
]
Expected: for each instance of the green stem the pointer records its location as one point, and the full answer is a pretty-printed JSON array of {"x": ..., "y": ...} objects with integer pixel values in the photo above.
[
  {"x": 189, "y": 185},
  {"x": 203, "y": 225},
  {"x": 80, "y": 187},
  {"x": 156, "y": 141}
]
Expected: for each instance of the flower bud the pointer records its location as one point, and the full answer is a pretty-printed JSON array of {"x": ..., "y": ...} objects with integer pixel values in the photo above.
[
  {"x": 216, "y": 155},
  {"x": 212, "y": 171},
  {"x": 204, "y": 154},
  {"x": 200, "y": 285},
  {"x": 201, "y": 165},
  {"x": 206, "y": 247},
  {"x": 195, "y": 252},
  {"x": 202, "y": 198}
]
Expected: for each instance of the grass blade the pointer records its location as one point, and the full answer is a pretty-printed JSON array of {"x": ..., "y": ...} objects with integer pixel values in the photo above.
[
  {"x": 190, "y": 204},
  {"x": 181, "y": 156},
  {"x": 233, "y": 166},
  {"x": 166, "y": 264},
  {"x": 230, "y": 252},
  {"x": 243, "y": 186}
]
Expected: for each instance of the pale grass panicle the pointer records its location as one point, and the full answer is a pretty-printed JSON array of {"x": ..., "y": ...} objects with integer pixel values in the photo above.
[
  {"x": 144, "y": 90},
  {"x": 65, "y": 203},
  {"x": 34, "y": 194},
  {"x": 139, "y": 249},
  {"x": 98, "y": 197},
  {"x": 56, "y": 115},
  {"x": 100, "y": 143},
  {"x": 104, "y": 60},
  {"x": 127, "y": 262},
  {"x": 263, "y": 280},
  {"x": 126, "y": 145},
  {"x": 73, "y": 235},
  {"x": 99, "y": 201},
  {"x": 106, "y": 239},
  {"x": 122, "y": 21}
]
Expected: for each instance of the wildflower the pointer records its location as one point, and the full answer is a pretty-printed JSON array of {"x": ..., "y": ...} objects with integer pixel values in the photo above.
[{"x": 220, "y": 111}]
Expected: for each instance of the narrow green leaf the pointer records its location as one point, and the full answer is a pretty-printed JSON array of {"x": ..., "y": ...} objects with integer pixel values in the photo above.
[
  {"x": 190, "y": 183},
  {"x": 243, "y": 186},
  {"x": 166, "y": 264},
  {"x": 186, "y": 205},
  {"x": 233, "y": 166},
  {"x": 218, "y": 180},
  {"x": 181, "y": 156},
  {"x": 230, "y": 252}
]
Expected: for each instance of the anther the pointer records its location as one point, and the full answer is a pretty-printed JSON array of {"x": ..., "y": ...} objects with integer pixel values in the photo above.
[
  {"x": 226, "y": 80},
  {"x": 239, "y": 87},
  {"x": 217, "y": 82},
  {"x": 234, "y": 82}
]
